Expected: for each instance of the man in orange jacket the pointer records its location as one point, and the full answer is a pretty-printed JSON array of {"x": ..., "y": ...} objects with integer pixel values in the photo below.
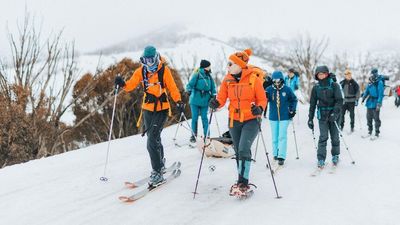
[
  {"x": 155, "y": 77},
  {"x": 247, "y": 102}
]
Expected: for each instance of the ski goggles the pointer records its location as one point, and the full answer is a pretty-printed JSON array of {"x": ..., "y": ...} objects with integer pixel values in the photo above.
[
  {"x": 149, "y": 61},
  {"x": 230, "y": 64}
]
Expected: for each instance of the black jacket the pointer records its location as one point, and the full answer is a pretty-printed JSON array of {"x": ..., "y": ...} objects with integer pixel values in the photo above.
[
  {"x": 327, "y": 97},
  {"x": 351, "y": 90}
]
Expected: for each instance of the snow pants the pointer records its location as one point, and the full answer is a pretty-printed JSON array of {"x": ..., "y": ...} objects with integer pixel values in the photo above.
[
  {"x": 279, "y": 137},
  {"x": 243, "y": 135},
  {"x": 154, "y": 123},
  {"x": 372, "y": 114},
  {"x": 326, "y": 128},
  {"x": 348, "y": 106},
  {"x": 202, "y": 111}
]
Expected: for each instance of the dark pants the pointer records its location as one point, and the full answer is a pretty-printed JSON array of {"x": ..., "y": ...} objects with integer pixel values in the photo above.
[
  {"x": 243, "y": 135},
  {"x": 397, "y": 101},
  {"x": 154, "y": 123},
  {"x": 348, "y": 106},
  {"x": 372, "y": 114},
  {"x": 326, "y": 128}
]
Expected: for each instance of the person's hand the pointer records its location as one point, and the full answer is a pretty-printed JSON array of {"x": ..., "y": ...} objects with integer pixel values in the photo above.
[
  {"x": 356, "y": 103},
  {"x": 256, "y": 110},
  {"x": 181, "y": 106},
  {"x": 214, "y": 104},
  {"x": 119, "y": 82},
  {"x": 310, "y": 124},
  {"x": 292, "y": 114},
  {"x": 333, "y": 117},
  {"x": 378, "y": 107}
]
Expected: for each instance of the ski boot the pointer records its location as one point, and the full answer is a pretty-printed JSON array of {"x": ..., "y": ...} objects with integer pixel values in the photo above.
[
  {"x": 281, "y": 161},
  {"x": 156, "y": 179},
  {"x": 321, "y": 164},
  {"x": 193, "y": 139},
  {"x": 335, "y": 160}
]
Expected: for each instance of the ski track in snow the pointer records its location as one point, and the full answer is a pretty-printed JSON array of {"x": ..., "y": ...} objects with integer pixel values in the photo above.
[{"x": 65, "y": 189}]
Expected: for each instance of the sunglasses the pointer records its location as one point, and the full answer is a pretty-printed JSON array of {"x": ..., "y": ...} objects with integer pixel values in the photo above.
[
  {"x": 276, "y": 80},
  {"x": 230, "y": 64}
]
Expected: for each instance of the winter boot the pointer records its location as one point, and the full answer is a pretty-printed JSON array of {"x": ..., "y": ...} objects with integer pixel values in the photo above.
[
  {"x": 335, "y": 160},
  {"x": 321, "y": 164},
  {"x": 281, "y": 161},
  {"x": 156, "y": 178},
  {"x": 193, "y": 139}
]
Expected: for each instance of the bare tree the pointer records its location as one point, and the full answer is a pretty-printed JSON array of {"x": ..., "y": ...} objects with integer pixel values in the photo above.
[{"x": 306, "y": 54}]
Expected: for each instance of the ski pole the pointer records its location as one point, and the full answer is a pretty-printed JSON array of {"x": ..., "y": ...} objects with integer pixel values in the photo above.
[
  {"x": 216, "y": 121},
  {"x": 104, "y": 178},
  {"x": 255, "y": 153},
  {"x": 314, "y": 141},
  {"x": 347, "y": 148},
  {"x": 266, "y": 154},
  {"x": 358, "y": 117},
  {"x": 202, "y": 155},
  {"x": 295, "y": 140},
  {"x": 177, "y": 127}
]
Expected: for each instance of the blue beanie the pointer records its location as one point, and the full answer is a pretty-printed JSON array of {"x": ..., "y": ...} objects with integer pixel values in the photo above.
[
  {"x": 149, "y": 51},
  {"x": 277, "y": 75}
]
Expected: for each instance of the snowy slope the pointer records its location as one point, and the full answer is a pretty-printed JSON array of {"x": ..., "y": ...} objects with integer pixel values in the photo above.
[{"x": 65, "y": 189}]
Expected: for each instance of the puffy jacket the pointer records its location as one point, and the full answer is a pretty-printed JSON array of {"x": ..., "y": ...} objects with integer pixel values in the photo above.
[
  {"x": 398, "y": 90},
  {"x": 351, "y": 90},
  {"x": 293, "y": 82},
  {"x": 202, "y": 88},
  {"x": 327, "y": 97},
  {"x": 242, "y": 94},
  {"x": 154, "y": 88},
  {"x": 287, "y": 103},
  {"x": 374, "y": 94}
]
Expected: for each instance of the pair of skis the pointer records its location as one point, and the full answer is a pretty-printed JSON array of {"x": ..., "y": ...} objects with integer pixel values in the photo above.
[
  {"x": 174, "y": 171},
  {"x": 319, "y": 170}
]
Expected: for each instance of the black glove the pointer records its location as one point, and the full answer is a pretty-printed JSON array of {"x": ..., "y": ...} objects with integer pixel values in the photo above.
[
  {"x": 189, "y": 93},
  {"x": 214, "y": 104},
  {"x": 363, "y": 100},
  {"x": 292, "y": 114},
  {"x": 256, "y": 110},
  {"x": 181, "y": 106},
  {"x": 119, "y": 82},
  {"x": 333, "y": 117},
  {"x": 310, "y": 124},
  {"x": 356, "y": 103}
]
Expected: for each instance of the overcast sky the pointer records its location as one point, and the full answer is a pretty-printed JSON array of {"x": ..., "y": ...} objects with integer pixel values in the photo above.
[{"x": 350, "y": 24}]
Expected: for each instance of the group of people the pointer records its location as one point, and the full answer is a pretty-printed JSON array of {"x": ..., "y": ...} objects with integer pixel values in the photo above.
[{"x": 249, "y": 95}]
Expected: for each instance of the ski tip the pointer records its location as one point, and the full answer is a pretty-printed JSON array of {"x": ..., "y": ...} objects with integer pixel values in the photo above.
[
  {"x": 125, "y": 199},
  {"x": 130, "y": 185}
]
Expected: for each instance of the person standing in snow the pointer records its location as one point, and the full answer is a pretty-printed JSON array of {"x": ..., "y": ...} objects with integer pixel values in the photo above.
[
  {"x": 267, "y": 83},
  {"x": 326, "y": 96},
  {"x": 282, "y": 108},
  {"x": 247, "y": 102},
  {"x": 351, "y": 92},
  {"x": 373, "y": 94},
  {"x": 156, "y": 79},
  {"x": 292, "y": 80},
  {"x": 201, "y": 88},
  {"x": 397, "y": 96}
]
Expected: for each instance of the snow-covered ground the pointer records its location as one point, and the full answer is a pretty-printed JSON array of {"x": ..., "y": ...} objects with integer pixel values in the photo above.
[{"x": 65, "y": 189}]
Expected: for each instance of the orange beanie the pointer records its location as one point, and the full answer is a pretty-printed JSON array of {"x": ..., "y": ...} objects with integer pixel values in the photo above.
[{"x": 241, "y": 58}]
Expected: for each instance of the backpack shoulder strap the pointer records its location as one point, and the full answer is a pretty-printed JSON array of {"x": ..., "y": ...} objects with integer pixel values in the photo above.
[{"x": 161, "y": 75}]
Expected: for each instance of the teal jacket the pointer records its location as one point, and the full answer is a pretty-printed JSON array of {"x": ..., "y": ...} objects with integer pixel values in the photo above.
[{"x": 202, "y": 88}]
